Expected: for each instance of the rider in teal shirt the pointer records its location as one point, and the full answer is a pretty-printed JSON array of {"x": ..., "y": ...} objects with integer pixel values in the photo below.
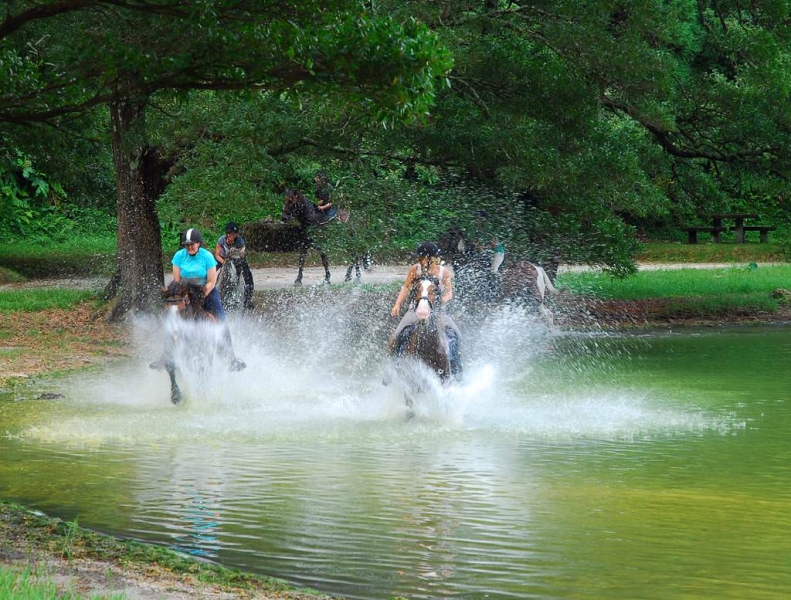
[{"x": 195, "y": 263}]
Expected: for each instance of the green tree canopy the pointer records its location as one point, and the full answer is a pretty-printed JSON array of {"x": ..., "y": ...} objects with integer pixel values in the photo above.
[{"x": 61, "y": 58}]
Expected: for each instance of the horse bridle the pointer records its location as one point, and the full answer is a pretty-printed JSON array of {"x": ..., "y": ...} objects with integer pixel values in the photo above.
[{"x": 424, "y": 296}]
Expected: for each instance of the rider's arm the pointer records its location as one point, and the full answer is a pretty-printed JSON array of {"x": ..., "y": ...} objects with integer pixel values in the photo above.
[
  {"x": 405, "y": 289},
  {"x": 211, "y": 280},
  {"x": 447, "y": 294},
  {"x": 176, "y": 273},
  {"x": 218, "y": 253}
]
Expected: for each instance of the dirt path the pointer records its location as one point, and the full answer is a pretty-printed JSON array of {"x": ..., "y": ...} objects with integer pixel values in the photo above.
[
  {"x": 269, "y": 278},
  {"x": 283, "y": 277}
]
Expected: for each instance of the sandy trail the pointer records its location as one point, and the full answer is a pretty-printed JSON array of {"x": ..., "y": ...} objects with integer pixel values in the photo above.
[{"x": 283, "y": 277}]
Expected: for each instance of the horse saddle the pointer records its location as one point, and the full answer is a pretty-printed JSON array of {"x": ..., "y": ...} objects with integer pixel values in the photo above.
[{"x": 327, "y": 216}]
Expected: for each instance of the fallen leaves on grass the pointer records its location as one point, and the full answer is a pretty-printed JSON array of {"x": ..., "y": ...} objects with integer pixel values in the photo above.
[{"x": 47, "y": 341}]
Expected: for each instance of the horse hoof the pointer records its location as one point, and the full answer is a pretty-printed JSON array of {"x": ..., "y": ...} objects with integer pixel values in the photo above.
[
  {"x": 237, "y": 365},
  {"x": 298, "y": 283},
  {"x": 176, "y": 398},
  {"x": 157, "y": 365},
  {"x": 325, "y": 282}
]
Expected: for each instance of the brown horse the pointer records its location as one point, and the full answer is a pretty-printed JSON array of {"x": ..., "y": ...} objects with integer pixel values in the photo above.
[
  {"x": 517, "y": 280},
  {"x": 426, "y": 338},
  {"x": 185, "y": 301}
]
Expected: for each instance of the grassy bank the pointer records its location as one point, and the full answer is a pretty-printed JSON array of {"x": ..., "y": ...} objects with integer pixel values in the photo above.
[
  {"x": 96, "y": 256},
  {"x": 84, "y": 256},
  {"x": 34, "y": 549},
  {"x": 686, "y": 293}
]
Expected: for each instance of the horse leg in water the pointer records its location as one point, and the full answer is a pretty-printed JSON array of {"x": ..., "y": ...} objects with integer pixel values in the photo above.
[
  {"x": 410, "y": 406},
  {"x": 249, "y": 284},
  {"x": 175, "y": 392}
]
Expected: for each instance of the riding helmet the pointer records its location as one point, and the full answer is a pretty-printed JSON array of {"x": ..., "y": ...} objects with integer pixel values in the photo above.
[
  {"x": 231, "y": 228},
  {"x": 427, "y": 249},
  {"x": 192, "y": 236}
]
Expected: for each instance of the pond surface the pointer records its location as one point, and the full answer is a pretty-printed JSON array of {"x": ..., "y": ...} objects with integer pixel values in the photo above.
[{"x": 568, "y": 466}]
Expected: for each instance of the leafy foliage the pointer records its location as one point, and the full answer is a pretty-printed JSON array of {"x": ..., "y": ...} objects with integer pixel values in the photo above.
[{"x": 578, "y": 127}]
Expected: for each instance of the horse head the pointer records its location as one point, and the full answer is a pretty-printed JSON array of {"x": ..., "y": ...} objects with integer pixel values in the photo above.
[
  {"x": 290, "y": 204},
  {"x": 427, "y": 297},
  {"x": 186, "y": 299}
]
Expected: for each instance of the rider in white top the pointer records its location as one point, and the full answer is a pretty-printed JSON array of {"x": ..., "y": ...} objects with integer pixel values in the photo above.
[{"x": 429, "y": 264}]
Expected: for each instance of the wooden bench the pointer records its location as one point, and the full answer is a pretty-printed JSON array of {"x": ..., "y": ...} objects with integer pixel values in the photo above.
[
  {"x": 714, "y": 231},
  {"x": 763, "y": 229}
]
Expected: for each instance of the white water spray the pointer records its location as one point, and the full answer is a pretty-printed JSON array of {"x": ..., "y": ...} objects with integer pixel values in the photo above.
[{"x": 316, "y": 371}]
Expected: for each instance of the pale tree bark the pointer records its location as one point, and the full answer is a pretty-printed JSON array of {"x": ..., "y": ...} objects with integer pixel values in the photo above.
[{"x": 138, "y": 279}]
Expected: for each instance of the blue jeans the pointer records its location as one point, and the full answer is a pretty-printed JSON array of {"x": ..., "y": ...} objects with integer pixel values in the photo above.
[{"x": 213, "y": 304}]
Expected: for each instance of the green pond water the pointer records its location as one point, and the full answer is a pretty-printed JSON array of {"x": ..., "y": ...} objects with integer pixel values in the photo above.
[{"x": 568, "y": 466}]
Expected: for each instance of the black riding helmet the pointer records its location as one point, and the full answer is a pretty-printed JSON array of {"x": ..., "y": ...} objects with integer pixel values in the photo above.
[
  {"x": 231, "y": 228},
  {"x": 427, "y": 249},
  {"x": 192, "y": 236}
]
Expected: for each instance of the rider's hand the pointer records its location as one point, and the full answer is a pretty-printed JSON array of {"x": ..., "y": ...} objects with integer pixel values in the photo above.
[{"x": 395, "y": 311}]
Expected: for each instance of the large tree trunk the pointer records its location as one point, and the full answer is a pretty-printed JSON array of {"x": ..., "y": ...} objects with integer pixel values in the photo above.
[{"x": 138, "y": 278}]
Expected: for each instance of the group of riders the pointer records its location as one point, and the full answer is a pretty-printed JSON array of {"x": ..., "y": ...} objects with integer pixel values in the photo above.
[{"x": 196, "y": 265}]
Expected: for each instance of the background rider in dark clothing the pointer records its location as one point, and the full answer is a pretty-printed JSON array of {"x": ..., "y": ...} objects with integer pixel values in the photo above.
[
  {"x": 324, "y": 191},
  {"x": 231, "y": 247}
]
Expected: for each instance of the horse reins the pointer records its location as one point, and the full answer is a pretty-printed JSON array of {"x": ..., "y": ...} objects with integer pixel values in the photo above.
[{"x": 424, "y": 296}]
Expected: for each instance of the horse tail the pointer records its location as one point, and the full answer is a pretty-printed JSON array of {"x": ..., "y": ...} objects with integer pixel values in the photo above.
[{"x": 544, "y": 282}]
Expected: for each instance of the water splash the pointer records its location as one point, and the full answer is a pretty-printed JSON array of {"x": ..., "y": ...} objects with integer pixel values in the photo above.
[{"x": 311, "y": 373}]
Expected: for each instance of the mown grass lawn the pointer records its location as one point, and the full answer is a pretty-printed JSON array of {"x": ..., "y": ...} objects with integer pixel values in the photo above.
[{"x": 700, "y": 291}]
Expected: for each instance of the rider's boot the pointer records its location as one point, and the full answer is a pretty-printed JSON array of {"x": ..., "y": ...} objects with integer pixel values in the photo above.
[
  {"x": 455, "y": 354},
  {"x": 236, "y": 364}
]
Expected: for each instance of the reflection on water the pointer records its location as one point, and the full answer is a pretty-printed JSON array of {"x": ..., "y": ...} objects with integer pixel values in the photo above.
[{"x": 566, "y": 466}]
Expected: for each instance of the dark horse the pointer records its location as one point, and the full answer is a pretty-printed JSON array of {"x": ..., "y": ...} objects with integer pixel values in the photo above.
[
  {"x": 426, "y": 339},
  {"x": 184, "y": 301},
  {"x": 298, "y": 206},
  {"x": 516, "y": 280}
]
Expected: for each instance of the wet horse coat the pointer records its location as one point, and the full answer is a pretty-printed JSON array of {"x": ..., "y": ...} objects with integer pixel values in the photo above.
[{"x": 426, "y": 340}]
